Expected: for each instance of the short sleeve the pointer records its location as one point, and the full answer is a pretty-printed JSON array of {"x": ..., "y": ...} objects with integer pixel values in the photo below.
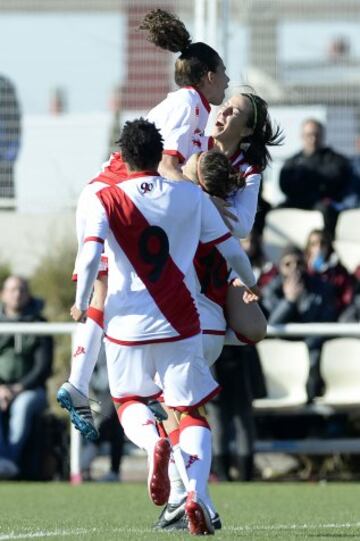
[
  {"x": 178, "y": 133},
  {"x": 97, "y": 225}
]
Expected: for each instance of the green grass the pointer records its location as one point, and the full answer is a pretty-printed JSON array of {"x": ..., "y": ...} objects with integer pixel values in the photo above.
[{"x": 123, "y": 512}]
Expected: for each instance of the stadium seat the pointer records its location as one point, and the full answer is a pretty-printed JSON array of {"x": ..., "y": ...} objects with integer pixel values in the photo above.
[
  {"x": 289, "y": 226},
  {"x": 340, "y": 369},
  {"x": 286, "y": 366},
  {"x": 347, "y": 238}
]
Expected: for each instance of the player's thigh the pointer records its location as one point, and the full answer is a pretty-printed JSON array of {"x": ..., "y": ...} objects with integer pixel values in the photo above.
[
  {"x": 245, "y": 319},
  {"x": 212, "y": 346},
  {"x": 184, "y": 375},
  {"x": 131, "y": 370}
]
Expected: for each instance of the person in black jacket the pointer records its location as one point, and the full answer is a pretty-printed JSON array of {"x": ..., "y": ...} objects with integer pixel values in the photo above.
[
  {"x": 25, "y": 365},
  {"x": 295, "y": 296},
  {"x": 317, "y": 177}
]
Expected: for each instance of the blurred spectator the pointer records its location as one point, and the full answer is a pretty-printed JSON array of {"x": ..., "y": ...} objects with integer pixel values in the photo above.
[
  {"x": 107, "y": 421},
  {"x": 264, "y": 269},
  {"x": 352, "y": 313},
  {"x": 295, "y": 296},
  {"x": 25, "y": 365},
  {"x": 239, "y": 374},
  {"x": 10, "y": 134},
  {"x": 317, "y": 177},
  {"x": 323, "y": 261}
]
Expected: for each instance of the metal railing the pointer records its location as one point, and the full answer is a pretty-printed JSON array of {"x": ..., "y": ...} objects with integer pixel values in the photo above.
[{"x": 293, "y": 330}]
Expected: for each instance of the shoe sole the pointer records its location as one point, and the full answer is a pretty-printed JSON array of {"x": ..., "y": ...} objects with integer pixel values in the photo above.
[
  {"x": 198, "y": 516},
  {"x": 87, "y": 429},
  {"x": 158, "y": 481}
]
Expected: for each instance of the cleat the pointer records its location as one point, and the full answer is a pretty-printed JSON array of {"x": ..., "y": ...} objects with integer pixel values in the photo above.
[
  {"x": 198, "y": 516},
  {"x": 216, "y": 522},
  {"x": 77, "y": 404},
  {"x": 158, "y": 479},
  {"x": 172, "y": 517}
]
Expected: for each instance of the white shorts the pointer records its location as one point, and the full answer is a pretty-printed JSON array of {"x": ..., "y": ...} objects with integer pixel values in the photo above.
[
  {"x": 212, "y": 346},
  {"x": 182, "y": 374}
]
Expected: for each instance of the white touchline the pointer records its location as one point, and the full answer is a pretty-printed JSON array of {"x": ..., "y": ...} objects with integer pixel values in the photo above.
[{"x": 247, "y": 528}]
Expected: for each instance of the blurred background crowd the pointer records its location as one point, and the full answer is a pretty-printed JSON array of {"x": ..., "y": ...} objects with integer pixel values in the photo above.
[{"x": 61, "y": 109}]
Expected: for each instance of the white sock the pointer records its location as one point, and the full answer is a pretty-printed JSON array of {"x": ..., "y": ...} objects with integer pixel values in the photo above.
[
  {"x": 177, "y": 487},
  {"x": 139, "y": 425},
  {"x": 195, "y": 443},
  {"x": 88, "y": 339}
]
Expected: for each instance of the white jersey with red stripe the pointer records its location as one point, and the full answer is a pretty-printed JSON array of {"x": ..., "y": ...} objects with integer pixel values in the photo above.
[
  {"x": 153, "y": 227},
  {"x": 113, "y": 171},
  {"x": 181, "y": 118},
  {"x": 212, "y": 269}
]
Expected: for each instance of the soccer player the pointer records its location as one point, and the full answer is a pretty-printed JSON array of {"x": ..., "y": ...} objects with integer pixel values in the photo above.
[
  {"x": 153, "y": 227},
  {"x": 182, "y": 118},
  {"x": 243, "y": 131}
]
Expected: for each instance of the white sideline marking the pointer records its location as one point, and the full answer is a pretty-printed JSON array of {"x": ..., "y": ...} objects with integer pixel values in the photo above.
[{"x": 84, "y": 531}]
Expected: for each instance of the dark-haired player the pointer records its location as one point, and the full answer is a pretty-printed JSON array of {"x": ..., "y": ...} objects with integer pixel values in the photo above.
[{"x": 153, "y": 226}]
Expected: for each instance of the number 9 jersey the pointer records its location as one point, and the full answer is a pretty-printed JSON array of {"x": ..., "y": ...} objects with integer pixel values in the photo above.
[{"x": 153, "y": 227}]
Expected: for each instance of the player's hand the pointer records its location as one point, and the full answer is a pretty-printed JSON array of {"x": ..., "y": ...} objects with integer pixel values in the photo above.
[
  {"x": 78, "y": 315},
  {"x": 226, "y": 215},
  {"x": 251, "y": 294}
]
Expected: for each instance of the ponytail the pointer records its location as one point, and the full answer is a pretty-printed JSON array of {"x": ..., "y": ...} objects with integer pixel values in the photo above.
[{"x": 166, "y": 31}]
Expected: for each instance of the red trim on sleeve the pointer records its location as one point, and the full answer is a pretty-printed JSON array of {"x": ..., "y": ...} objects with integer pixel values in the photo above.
[
  {"x": 96, "y": 315},
  {"x": 175, "y": 153},
  {"x": 218, "y": 240},
  {"x": 94, "y": 239},
  {"x": 174, "y": 437}
]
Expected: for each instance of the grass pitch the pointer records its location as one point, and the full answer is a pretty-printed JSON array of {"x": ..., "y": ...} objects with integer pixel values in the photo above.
[{"x": 123, "y": 512}]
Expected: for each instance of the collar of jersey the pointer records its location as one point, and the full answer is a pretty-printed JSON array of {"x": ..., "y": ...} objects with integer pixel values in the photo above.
[
  {"x": 202, "y": 97},
  {"x": 137, "y": 174},
  {"x": 236, "y": 155}
]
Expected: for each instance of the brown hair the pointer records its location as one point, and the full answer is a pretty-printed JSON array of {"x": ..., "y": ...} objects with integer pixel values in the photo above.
[
  {"x": 264, "y": 133},
  {"x": 216, "y": 175},
  {"x": 168, "y": 32}
]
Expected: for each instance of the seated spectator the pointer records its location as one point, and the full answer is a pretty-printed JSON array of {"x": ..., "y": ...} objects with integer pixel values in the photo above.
[
  {"x": 25, "y": 365},
  {"x": 295, "y": 296},
  {"x": 110, "y": 431},
  {"x": 323, "y": 261},
  {"x": 317, "y": 177},
  {"x": 352, "y": 313},
  {"x": 264, "y": 269}
]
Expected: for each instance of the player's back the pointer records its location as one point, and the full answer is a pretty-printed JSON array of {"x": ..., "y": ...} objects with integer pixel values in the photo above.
[{"x": 155, "y": 227}]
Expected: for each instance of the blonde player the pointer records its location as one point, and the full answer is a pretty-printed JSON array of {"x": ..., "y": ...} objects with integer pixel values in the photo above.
[{"x": 153, "y": 227}]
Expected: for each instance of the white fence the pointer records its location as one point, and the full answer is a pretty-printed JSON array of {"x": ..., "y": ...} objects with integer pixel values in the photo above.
[{"x": 301, "y": 330}]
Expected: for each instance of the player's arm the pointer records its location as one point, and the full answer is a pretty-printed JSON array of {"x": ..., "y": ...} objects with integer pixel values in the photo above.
[
  {"x": 97, "y": 227},
  {"x": 244, "y": 206},
  {"x": 213, "y": 230}
]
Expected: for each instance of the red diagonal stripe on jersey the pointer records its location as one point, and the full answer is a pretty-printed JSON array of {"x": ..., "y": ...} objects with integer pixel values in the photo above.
[{"x": 168, "y": 291}]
